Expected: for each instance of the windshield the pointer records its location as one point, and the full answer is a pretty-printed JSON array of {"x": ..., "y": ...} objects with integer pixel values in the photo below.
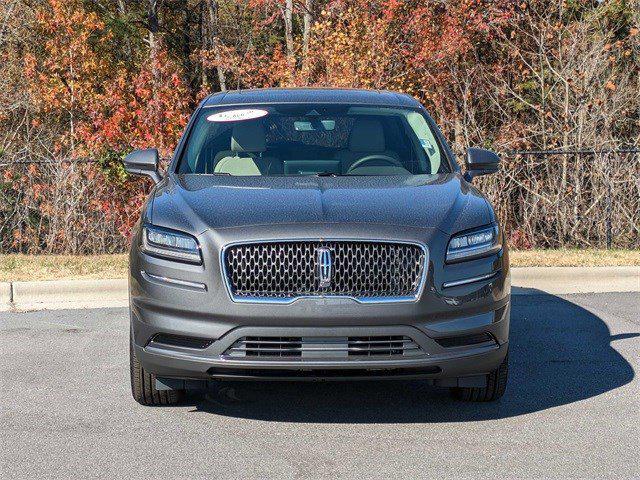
[{"x": 311, "y": 139}]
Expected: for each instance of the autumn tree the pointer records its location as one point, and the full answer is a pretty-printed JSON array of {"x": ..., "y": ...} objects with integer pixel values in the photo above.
[
  {"x": 93, "y": 80},
  {"x": 66, "y": 71}
]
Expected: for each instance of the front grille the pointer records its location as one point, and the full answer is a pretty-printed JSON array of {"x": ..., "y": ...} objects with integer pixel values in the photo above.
[
  {"x": 363, "y": 270},
  {"x": 323, "y": 347}
]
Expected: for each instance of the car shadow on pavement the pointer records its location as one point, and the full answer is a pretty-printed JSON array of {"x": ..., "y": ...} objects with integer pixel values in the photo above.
[{"x": 560, "y": 353}]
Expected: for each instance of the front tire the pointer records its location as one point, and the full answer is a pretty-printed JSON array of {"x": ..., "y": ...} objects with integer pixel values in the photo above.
[
  {"x": 496, "y": 385},
  {"x": 143, "y": 385}
]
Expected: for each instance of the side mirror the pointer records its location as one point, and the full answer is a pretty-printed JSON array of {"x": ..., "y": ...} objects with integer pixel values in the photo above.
[
  {"x": 480, "y": 162},
  {"x": 143, "y": 162}
]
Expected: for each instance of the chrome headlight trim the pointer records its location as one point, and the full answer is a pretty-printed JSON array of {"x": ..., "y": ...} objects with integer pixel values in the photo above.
[
  {"x": 170, "y": 244},
  {"x": 476, "y": 243}
]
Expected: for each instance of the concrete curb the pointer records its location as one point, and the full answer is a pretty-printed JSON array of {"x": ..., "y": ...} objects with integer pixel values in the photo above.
[
  {"x": 60, "y": 294},
  {"x": 57, "y": 294},
  {"x": 567, "y": 280},
  {"x": 5, "y": 296}
]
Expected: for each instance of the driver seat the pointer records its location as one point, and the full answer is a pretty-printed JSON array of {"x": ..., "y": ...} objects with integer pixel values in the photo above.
[{"x": 366, "y": 138}]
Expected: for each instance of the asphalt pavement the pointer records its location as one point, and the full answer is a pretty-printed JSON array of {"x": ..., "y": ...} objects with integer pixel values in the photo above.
[{"x": 572, "y": 408}]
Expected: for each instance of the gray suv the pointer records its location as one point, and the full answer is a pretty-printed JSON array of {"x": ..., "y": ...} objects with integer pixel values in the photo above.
[{"x": 307, "y": 234}]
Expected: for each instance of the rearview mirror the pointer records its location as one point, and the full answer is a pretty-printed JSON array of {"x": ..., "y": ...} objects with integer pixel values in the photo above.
[
  {"x": 143, "y": 162},
  {"x": 480, "y": 162}
]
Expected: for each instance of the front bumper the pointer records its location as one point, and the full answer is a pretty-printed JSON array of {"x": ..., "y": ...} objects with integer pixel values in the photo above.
[
  {"x": 434, "y": 361},
  {"x": 161, "y": 307}
]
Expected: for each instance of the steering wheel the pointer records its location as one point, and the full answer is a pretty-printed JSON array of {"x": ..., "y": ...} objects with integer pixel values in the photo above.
[{"x": 369, "y": 158}]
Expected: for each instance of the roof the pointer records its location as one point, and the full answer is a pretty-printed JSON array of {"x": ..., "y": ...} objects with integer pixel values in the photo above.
[{"x": 311, "y": 95}]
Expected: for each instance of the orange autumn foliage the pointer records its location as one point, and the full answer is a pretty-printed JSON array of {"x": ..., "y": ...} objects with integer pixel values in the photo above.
[{"x": 94, "y": 80}]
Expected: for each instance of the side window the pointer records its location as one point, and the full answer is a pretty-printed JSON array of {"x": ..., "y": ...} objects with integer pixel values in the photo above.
[
  {"x": 214, "y": 149},
  {"x": 421, "y": 128}
]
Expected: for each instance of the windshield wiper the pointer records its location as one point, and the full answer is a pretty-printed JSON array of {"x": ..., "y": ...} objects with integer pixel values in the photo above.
[{"x": 328, "y": 174}]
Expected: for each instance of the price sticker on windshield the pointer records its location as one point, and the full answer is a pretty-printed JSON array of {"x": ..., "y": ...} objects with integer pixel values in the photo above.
[{"x": 237, "y": 115}]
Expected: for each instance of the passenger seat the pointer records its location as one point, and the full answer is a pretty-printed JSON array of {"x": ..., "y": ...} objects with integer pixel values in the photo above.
[{"x": 248, "y": 141}]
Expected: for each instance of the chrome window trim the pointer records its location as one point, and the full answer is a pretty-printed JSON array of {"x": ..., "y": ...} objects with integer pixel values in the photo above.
[
  {"x": 466, "y": 281},
  {"x": 290, "y": 300}
]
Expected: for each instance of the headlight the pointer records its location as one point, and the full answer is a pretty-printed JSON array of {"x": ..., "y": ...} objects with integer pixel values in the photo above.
[
  {"x": 170, "y": 244},
  {"x": 477, "y": 243}
]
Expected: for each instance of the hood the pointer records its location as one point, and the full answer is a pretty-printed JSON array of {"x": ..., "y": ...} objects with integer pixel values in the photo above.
[{"x": 196, "y": 203}]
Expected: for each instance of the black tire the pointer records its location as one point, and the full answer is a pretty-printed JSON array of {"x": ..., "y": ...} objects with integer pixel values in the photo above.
[
  {"x": 496, "y": 385},
  {"x": 143, "y": 385}
]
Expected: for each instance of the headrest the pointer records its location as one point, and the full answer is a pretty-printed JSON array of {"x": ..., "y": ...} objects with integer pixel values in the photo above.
[
  {"x": 248, "y": 137},
  {"x": 366, "y": 136}
]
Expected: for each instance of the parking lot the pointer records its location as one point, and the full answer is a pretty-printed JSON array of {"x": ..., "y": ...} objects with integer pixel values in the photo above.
[{"x": 571, "y": 409}]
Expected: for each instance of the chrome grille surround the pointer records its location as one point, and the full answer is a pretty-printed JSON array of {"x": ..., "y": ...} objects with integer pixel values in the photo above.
[
  {"x": 309, "y": 348},
  {"x": 384, "y": 271}
]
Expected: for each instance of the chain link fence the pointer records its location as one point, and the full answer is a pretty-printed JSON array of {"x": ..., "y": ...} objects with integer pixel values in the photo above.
[
  {"x": 544, "y": 198},
  {"x": 576, "y": 198}
]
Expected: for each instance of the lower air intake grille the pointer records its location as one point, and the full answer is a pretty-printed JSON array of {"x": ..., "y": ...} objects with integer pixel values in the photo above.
[
  {"x": 180, "y": 341},
  {"x": 266, "y": 347},
  {"x": 464, "y": 340},
  {"x": 324, "y": 347},
  {"x": 387, "y": 346}
]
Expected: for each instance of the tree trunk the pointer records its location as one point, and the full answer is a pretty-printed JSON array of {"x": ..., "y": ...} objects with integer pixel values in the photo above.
[
  {"x": 213, "y": 42},
  {"x": 458, "y": 135},
  {"x": 153, "y": 27},
  {"x": 288, "y": 31},
  {"x": 122, "y": 11},
  {"x": 72, "y": 104},
  {"x": 306, "y": 35},
  {"x": 308, "y": 19},
  {"x": 204, "y": 80},
  {"x": 186, "y": 47}
]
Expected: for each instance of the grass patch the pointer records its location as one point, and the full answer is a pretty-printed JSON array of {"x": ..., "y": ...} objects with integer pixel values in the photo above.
[
  {"x": 14, "y": 268},
  {"x": 574, "y": 258}
]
